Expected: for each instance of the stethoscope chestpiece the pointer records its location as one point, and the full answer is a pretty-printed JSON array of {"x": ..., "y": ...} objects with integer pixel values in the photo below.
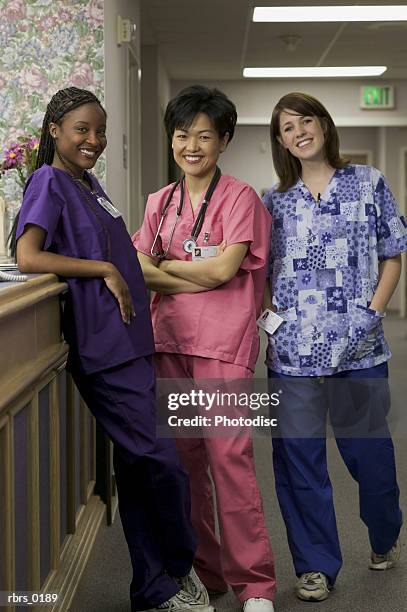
[{"x": 189, "y": 245}]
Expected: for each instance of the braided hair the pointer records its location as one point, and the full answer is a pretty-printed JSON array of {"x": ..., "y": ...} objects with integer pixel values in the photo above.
[
  {"x": 64, "y": 101},
  {"x": 61, "y": 103}
]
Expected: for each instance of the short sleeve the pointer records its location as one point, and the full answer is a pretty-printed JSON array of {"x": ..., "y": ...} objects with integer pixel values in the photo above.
[
  {"x": 268, "y": 200},
  {"x": 268, "y": 203},
  {"x": 41, "y": 206},
  {"x": 143, "y": 238},
  {"x": 249, "y": 221},
  {"x": 391, "y": 226}
]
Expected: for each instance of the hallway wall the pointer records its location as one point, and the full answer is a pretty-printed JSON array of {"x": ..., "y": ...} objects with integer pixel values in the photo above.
[
  {"x": 116, "y": 60},
  {"x": 155, "y": 94},
  {"x": 256, "y": 98},
  {"x": 253, "y": 142}
]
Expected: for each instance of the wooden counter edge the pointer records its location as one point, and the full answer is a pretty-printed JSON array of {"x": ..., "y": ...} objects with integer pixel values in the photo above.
[
  {"x": 17, "y": 297},
  {"x": 25, "y": 378}
]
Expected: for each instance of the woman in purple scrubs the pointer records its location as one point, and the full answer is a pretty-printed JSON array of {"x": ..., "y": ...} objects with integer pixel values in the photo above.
[{"x": 68, "y": 226}]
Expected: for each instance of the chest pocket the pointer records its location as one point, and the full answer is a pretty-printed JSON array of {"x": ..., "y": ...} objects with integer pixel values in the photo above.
[
  {"x": 85, "y": 236},
  {"x": 178, "y": 230},
  {"x": 211, "y": 234},
  {"x": 284, "y": 342}
]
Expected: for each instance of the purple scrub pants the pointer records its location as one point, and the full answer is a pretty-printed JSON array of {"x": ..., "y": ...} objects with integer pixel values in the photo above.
[
  {"x": 303, "y": 486},
  {"x": 153, "y": 488}
]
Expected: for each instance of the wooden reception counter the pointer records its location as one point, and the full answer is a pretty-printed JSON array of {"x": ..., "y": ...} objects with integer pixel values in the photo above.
[{"x": 49, "y": 515}]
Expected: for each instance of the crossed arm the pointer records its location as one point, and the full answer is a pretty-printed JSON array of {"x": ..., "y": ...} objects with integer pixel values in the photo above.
[
  {"x": 172, "y": 276},
  {"x": 33, "y": 260}
]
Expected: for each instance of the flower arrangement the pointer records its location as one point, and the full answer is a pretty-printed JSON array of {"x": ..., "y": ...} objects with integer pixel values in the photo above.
[{"x": 21, "y": 156}]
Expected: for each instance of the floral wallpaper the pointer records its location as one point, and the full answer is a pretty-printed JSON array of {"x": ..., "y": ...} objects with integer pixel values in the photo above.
[{"x": 45, "y": 45}]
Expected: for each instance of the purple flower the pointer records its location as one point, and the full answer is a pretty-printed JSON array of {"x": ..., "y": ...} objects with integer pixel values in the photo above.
[
  {"x": 12, "y": 156},
  {"x": 332, "y": 336},
  {"x": 360, "y": 333},
  {"x": 21, "y": 156}
]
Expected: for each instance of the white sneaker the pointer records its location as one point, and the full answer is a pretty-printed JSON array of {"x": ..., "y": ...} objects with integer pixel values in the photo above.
[
  {"x": 180, "y": 602},
  {"x": 258, "y": 604},
  {"x": 192, "y": 584},
  {"x": 387, "y": 561},
  {"x": 312, "y": 586}
]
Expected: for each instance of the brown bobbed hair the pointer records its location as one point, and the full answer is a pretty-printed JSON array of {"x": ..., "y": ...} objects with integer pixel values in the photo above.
[{"x": 287, "y": 166}]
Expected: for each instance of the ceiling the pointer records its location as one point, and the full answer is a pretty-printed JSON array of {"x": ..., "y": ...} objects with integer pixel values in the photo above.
[{"x": 215, "y": 39}]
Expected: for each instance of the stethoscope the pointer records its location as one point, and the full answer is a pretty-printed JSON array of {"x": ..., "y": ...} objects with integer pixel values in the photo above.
[{"x": 189, "y": 243}]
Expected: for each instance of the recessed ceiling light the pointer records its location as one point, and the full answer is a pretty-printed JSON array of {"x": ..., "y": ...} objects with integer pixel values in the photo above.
[
  {"x": 317, "y": 71},
  {"x": 278, "y": 14}
]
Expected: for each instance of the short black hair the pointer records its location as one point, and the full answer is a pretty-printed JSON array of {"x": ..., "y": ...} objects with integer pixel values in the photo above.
[{"x": 182, "y": 110}]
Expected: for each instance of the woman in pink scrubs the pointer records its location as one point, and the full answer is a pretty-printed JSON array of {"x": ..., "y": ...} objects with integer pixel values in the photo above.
[{"x": 204, "y": 318}]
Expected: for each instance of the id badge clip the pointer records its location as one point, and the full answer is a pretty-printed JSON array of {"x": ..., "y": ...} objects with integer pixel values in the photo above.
[
  {"x": 204, "y": 252},
  {"x": 269, "y": 321},
  {"x": 108, "y": 206}
]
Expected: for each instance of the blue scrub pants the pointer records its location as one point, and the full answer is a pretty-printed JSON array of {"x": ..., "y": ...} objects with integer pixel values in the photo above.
[
  {"x": 152, "y": 486},
  {"x": 303, "y": 487}
]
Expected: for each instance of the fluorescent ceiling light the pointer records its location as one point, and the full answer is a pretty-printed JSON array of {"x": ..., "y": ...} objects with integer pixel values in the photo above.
[
  {"x": 318, "y": 71},
  {"x": 287, "y": 14}
]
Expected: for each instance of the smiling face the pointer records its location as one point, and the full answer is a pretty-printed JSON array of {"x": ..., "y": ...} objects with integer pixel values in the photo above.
[
  {"x": 197, "y": 148},
  {"x": 303, "y": 136},
  {"x": 80, "y": 138}
]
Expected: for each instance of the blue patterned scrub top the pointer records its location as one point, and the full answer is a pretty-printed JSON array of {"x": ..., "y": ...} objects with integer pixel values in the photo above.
[{"x": 324, "y": 270}]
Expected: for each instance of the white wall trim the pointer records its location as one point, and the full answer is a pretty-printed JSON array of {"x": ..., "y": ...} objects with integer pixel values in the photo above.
[{"x": 355, "y": 121}]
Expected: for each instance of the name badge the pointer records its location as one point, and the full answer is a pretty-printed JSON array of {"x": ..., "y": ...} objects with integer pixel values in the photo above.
[
  {"x": 204, "y": 252},
  {"x": 269, "y": 321},
  {"x": 108, "y": 206}
]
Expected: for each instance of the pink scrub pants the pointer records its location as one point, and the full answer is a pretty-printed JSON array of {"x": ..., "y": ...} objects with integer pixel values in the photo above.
[{"x": 243, "y": 558}]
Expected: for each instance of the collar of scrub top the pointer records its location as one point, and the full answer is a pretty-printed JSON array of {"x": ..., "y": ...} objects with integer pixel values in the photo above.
[
  {"x": 198, "y": 221},
  {"x": 86, "y": 191}
]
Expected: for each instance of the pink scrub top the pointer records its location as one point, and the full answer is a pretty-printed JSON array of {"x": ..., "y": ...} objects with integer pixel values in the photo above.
[{"x": 220, "y": 323}]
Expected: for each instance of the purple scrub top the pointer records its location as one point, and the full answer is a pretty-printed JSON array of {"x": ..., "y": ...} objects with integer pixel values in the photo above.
[{"x": 78, "y": 226}]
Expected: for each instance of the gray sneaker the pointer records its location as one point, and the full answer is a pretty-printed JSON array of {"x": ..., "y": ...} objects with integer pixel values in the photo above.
[
  {"x": 312, "y": 586},
  {"x": 192, "y": 585},
  {"x": 180, "y": 602},
  {"x": 387, "y": 561}
]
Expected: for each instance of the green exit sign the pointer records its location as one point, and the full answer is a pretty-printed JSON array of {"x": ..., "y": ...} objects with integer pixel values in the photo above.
[{"x": 377, "y": 97}]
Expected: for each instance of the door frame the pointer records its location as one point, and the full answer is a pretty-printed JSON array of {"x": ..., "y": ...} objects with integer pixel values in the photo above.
[{"x": 135, "y": 207}]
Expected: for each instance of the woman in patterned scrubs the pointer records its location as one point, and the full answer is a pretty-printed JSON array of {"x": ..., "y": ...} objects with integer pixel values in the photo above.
[{"x": 334, "y": 264}]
